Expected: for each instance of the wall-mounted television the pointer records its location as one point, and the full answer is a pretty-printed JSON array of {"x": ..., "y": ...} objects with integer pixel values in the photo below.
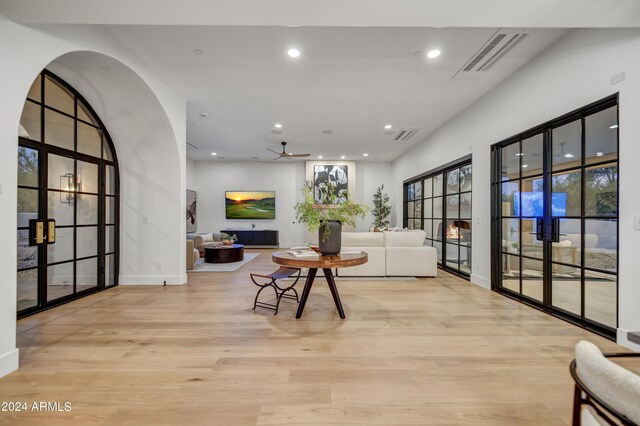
[
  {"x": 250, "y": 204},
  {"x": 532, "y": 204}
]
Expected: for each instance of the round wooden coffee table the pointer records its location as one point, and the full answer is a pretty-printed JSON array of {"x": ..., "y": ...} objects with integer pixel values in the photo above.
[
  {"x": 224, "y": 254},
  {"x": 321, "y": 262}
]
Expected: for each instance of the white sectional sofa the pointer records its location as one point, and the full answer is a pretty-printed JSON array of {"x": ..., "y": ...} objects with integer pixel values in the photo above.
[{"x": 391, "y": 254}]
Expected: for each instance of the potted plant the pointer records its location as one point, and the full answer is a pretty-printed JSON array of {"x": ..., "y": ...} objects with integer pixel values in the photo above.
[
  {"x": 328, "y": 216},
  {"x": 228, "y": 239},
  {"x": 381, "y": 209}
]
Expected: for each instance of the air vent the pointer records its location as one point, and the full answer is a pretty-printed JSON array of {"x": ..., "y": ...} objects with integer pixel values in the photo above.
[
  {"x": 491, "y": 52},
  {"x": 405, "y": 134},
  {"x": 192, "y": 146}
]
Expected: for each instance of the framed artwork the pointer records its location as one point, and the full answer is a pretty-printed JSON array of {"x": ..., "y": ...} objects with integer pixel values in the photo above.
[
  {"x": 330, "y": 178},
  {"x": 250, "y": 204},
  {"x": 191, "y": 210}
]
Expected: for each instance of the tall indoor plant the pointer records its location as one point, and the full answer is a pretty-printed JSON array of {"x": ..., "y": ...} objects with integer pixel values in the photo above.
[
  {"x": 328, "y": 216},
  {"x": 381, "y": 209}
]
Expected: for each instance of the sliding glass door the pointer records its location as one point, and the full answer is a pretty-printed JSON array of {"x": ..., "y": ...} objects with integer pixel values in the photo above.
[{"x": 555, "y": 233}]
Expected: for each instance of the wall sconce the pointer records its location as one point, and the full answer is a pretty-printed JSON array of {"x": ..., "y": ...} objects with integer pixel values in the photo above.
[{"x": 67, "y": 184}]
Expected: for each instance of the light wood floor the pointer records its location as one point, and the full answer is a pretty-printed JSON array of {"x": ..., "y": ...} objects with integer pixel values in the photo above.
[{"x": 418, "y": 352}]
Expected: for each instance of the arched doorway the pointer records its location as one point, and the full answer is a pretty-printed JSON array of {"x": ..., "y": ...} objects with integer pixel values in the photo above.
[{"x": 68, "y": 199}]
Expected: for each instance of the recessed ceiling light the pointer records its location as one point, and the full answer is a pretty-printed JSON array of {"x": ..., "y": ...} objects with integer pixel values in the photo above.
[
  {"x": 433, "y": 54},
  {"x": 568, "y": 155},
  {"x": 388, "y": 126},
  {"x": 198, "y": 52},
  {"x": 203, "y": 114},
  {"x": 615, "y": 126},
  {"x": 599, "y": 154},
  {"x": 320, "y": 157},
  {"x": 519, "y": 154},
  {"x": 365, "y": 155},
  {"x": 214, "y": 153},
  {"x": 278, "y": 126},
  {"x": 342, "y": 157},
  {"x": 524, "y": 166},
  {"x": 294, "y": 53}
]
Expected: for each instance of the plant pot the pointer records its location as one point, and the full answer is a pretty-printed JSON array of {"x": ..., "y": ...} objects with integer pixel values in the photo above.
[
  {"x": 227, "y": 242},
  {"x": 333, "y": 243}
]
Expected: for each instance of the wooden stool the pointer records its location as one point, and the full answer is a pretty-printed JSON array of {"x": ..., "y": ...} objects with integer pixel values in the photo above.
[{"x": 280, "y": 273}]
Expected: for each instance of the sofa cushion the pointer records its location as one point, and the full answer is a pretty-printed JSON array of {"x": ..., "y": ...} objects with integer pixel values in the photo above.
[
  {"x": 207, "y": 237},
  {"x": 413, "y": 238},
  {"x": 362, "y": 239}
]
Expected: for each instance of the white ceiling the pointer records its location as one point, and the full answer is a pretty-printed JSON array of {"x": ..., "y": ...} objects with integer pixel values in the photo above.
[{"x": 351, "y": 79}]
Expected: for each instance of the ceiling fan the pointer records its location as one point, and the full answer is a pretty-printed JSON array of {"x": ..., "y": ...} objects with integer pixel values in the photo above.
[{"x": 286, "y": 154}]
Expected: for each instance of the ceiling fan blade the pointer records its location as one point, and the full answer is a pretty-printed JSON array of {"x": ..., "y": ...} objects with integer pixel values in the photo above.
[
  {"x": 299, "y": 155},
  {"x": 275, "y": 152}
]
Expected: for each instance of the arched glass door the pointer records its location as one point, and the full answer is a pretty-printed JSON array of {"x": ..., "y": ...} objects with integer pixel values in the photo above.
[{"x": 67, "y": 199}]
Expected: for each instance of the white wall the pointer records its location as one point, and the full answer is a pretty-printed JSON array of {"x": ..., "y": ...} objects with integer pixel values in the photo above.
[
  {"x": 191, "y": 173},
  {"x": 369, "y": 177},
  {"x": 212, "y": 179},
  {"x": 572, "y": 73},
  {"x": 142, "y": 183}
]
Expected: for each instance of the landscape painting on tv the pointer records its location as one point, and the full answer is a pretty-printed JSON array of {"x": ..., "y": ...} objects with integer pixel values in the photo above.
[{"x": 250, "y": 204}]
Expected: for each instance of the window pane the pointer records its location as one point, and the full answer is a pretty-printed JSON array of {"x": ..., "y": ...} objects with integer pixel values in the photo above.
[
  {"x": 567, "y": 145},
  {"x": 428, "y": 208},
  {"x": 452, "y": 233},
  {"x": 27, "y": 206},
  {"x": 27, "y": 289},
  {"x": 410, "y": 209},
  {"x": 60, "y": 207},
  {"x": 531, "y": 198},
  {"x": 452, "y": 206},
  {"x": 35, "y": 91},
  {"x": 58, "y": 97},
  {"x": 465, "y": 259},
  {"x": 465, "y": 178},
  {"x": 30, "y": 122},
  {"x": 418, "y": 209},
  {"x": 110, "y": 270},
  {"x": 418, "y": 190},
  {"x": 63, "y": 248},
  {"x": 437, "y": 185},
  {"x": 106, "y": 151},
  {"x": 568, "y": 249},
  {"x": 110, "y": 180},
  {"x": 85, "y": 115},
  {"x": 453, "y": 181},
  {"x": 438, "y": 246},
  {"x": 61, "y": 172},
  {"x": 28, "y": 167},
  {"x": 511, "y": 272},
  {"x": 529, "y": 245},
  {"x": 510, "y": 198},
  {"x": 452, "y": 256},
  {"x": 87, "y": 177},
  {"x": 511, "y": 235},
  {"x": 86, "y": 274},
  {"x": 437, "y": 207},
  {"x": 89, "y": 140},
  {"x": 428, "y": 228},
  {"x": 86, "y": 241},
  {"x": 58, "y": 129},
  {"x": 110, "y": 233},
  {"x": 59, "y": 280},
  {"x": 600, "y": 298},
  {"x": 601, "y": 244},
  {"x": 465, "y": 205},
  {"x": 601, "y": 136},
  {"x": 27, "y": 255},
  {"x": 410, "y": 193},
  {"x": 437, "y": 229},
  {"x": 565, "y": 199},
  {"x": 427, "y": 188},
  {"x": 110, "y": 210},
  {"x": 511, "y": 161},
  {"x": 532, "y": 155},
  {"x": 532, "y": 278},
  {"x": 87, "y": 213},
  {"x": 565, "y": 290},
  {"x": 601, "y": 191}
]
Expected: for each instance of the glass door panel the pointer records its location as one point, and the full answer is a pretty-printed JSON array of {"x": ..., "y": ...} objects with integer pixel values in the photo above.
[{"x": 557, "y": 217}]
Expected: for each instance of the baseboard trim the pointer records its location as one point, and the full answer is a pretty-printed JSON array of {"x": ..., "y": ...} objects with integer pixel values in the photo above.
[
  {"x": 9, "y": 362},
  {"x": 152, "y": 280},
  {"x": 623, "y": 340},
  {"x": 481, "y": 281}
]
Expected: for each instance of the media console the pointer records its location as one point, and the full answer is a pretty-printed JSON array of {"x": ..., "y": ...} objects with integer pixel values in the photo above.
[{"x": 255, "y": 237}]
